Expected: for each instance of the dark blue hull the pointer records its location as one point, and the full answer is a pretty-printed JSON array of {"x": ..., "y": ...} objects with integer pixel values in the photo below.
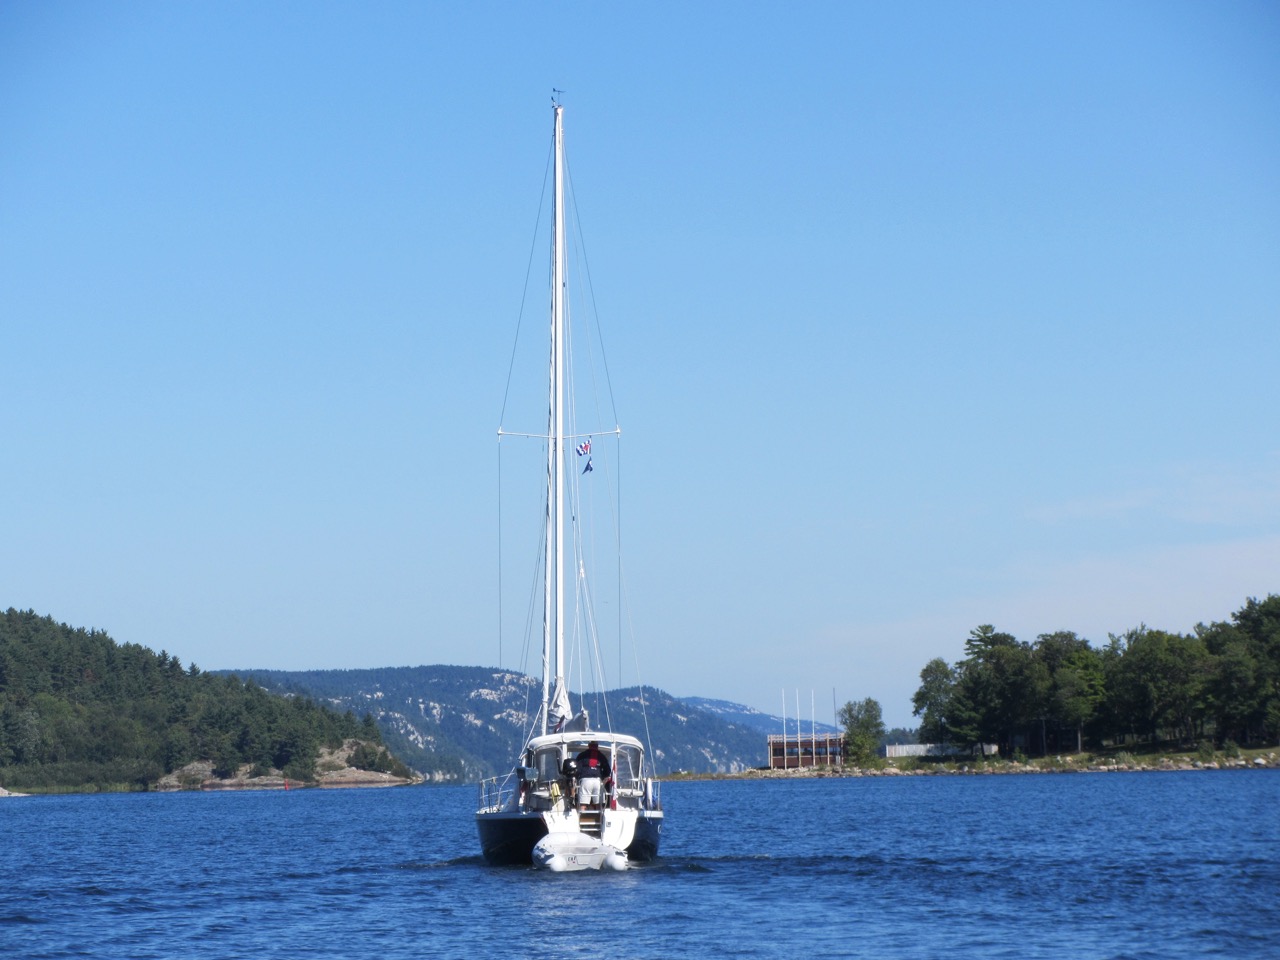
[
  {"x": 509, "y": 838},
  {"x": 644, "y": 846}
]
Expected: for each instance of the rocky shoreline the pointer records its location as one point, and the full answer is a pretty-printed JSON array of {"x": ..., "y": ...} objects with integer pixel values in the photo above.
[
  {"x": 199, "y": 776},
  {"x": 333, "y": 771},
  {"x": 1011, "y": 768}
]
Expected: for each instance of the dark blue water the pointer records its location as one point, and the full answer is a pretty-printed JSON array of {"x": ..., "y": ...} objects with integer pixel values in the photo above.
[{"x": 1159, "y": 865}]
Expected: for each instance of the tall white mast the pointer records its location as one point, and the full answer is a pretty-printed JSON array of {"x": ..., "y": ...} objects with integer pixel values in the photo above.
[
  {"x": 553, "y": 584},
  {"x": 557, "y": 339}
]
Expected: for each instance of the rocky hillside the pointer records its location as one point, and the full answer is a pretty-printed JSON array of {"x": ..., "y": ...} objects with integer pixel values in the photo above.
[{"x": 463, "y": 723}]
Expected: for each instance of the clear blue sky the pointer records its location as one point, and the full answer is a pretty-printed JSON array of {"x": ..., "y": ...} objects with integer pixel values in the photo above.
[{"x": 920, "y": 316}]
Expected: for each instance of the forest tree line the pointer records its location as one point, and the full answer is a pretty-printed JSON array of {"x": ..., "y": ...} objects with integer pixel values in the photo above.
[
  {"x": 78, "y": 709},
  {"x": 1060, "y": 694}
]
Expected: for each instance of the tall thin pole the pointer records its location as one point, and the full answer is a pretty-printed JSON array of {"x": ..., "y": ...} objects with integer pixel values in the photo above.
[
  {"x": 835, "y": 722},
  {"x": 499, "y": 549},
  {"x": 799, "y": 748},
  {"x": 557, "y": 322},
  {"x": 548, "y": 557},
  {"x": 784, "y": 728},
  {"x": 553, "y": 557},
  {"x": 617, "y": 447}
]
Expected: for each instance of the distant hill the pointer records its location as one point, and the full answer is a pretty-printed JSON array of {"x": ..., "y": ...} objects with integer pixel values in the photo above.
[
  {"x": 766, "y": 723},
  {"x": 464, "y": 723}
]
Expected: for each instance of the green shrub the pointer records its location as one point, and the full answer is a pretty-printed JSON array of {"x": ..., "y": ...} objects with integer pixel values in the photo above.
[
  {"x": 302, "y": 769},
  {"x": 377, "y": 760}
]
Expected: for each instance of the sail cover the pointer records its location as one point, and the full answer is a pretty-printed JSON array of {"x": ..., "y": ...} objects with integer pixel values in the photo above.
[{"x": 558, "y": 710}]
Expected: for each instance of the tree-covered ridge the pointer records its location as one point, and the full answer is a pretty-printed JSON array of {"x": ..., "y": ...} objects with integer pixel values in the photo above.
[
  {"x": 78, "y": 709},
  {"x": 1222, "y": 681}
]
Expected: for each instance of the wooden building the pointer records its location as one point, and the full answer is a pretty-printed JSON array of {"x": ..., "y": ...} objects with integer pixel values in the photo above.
[{"x": 805, "y": 750}]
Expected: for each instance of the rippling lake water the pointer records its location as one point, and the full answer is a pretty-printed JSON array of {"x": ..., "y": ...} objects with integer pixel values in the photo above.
[{"x": 1158, "y": 865}]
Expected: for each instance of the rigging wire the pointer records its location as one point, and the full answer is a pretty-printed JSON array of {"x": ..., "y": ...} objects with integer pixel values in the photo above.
[
  {"x": 524, "y": 296},
  {"x": 591, "y": 291},
  {"x": 506, "y": 391},
  {"x": 615, "y": 503},
  {"x": 580, "y": 250},
  {"x": 532, "y": 718}
]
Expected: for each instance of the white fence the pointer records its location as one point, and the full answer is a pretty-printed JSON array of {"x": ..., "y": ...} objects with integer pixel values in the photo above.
[{"x": 933, "y": 750}]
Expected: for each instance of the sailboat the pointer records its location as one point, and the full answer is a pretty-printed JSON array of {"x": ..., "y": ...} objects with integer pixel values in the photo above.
[{"x": 577, "y": 798}]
